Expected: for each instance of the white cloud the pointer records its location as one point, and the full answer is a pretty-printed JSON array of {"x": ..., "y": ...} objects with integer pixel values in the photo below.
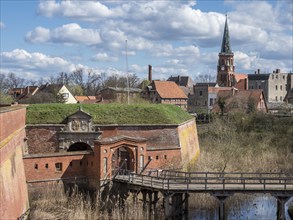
[
  {"x": 38, "y": 64},
  {"x": 2, "y": 25},
  {"x": 84, "y": 10},
  {"x": 67, "y": 34},
  {"x": 103, "y": 57}
]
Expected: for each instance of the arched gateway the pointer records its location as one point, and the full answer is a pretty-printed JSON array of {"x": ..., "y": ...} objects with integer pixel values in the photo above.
[
  {"x": 121, "y": 152},
  {"x": 107, "y": 154}
]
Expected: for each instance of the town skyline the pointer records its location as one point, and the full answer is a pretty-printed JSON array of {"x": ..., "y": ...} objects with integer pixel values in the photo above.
[{"x": 175, "y": 37}]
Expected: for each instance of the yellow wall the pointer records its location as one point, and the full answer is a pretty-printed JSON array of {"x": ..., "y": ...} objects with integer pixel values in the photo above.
[
  {"x": 188, "y": 141},
  {"x": 13, "y": 188}
]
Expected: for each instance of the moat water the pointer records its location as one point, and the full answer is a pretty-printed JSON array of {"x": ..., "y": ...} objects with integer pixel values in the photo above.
[{"x": 255, "y": 208}]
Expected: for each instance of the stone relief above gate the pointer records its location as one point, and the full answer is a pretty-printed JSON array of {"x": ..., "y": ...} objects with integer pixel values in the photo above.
[
  {"x": 79, "y": 128},
  {"x": 80, "y": 121}
]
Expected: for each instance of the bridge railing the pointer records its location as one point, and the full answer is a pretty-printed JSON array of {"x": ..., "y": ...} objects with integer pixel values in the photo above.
[{"x": 205, "y": 181}]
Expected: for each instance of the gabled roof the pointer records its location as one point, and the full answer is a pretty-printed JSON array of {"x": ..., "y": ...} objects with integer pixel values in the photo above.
[
  {"x": 263, "y": 76},
  {"x": 119, "y": 89},
  {"x": 240, "y": 76},
  {"x": 181, "y": 80},
  {"x": 241, "y": 97},
  {"x": 88, "y": 99},
  {"x": 49, "y": 88},
  {"x": 168, "y": 90}
]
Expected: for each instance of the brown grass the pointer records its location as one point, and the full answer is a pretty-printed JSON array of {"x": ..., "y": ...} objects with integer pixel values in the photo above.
[
  {"x": 230, "y": 145},
  {"x": 51, "y": 202}
]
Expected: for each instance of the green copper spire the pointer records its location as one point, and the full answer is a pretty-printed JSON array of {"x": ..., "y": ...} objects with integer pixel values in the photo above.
[{"x": 226, "y": 48}]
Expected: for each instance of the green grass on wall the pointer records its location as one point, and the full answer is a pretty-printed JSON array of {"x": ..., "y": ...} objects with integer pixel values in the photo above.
[{"x": 108, "y": 113}]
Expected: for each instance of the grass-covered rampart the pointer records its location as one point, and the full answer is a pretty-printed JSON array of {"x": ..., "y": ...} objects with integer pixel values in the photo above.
[{"x": 108, "y": 113}]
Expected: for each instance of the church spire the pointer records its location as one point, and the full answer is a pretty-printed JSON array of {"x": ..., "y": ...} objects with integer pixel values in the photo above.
[{"x": 226, "y": 47}]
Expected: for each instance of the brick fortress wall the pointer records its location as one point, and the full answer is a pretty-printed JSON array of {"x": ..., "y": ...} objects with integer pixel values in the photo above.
[
  {"x": 167, "y": 145},
  {"x": 13, "y": 189}
]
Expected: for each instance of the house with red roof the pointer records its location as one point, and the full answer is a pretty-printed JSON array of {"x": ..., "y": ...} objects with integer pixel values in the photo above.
[
  {"x": 165, "y": 92},
  {"x": 242, "y": 101}
]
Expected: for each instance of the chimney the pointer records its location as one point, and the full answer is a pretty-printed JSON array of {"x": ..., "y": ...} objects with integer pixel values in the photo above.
[
  {"x": 278, "y": 70},
  {"x": 258, "y": 71},
  {"x": 150, "y": 73}
]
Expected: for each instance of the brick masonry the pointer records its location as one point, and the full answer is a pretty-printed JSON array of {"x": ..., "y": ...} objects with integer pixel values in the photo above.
[
  {"x": 168, "y": 146},
  {"x": 13, "y": 189}
]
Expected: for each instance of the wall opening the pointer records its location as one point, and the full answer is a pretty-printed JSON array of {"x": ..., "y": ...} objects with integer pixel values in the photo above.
[
  {"x": 119, "y": 156},
  {"x": 79, "y": 146}
]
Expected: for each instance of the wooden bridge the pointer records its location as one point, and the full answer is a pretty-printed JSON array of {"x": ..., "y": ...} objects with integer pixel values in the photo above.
[{"x": 175, "y": 187}]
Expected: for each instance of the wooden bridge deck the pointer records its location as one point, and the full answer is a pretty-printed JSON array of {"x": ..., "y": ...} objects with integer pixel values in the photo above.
[{"x": 275, "y": 183}]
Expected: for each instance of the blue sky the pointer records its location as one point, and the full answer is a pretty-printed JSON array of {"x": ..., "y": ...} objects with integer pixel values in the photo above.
[{"x": 43, "y": 38}]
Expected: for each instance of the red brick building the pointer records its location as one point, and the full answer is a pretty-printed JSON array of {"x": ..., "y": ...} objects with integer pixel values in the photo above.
[{"x": 81, "y": 149}]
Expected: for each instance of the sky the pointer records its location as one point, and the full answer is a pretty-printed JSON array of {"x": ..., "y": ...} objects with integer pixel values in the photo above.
[{"x": 44, "y": 38}]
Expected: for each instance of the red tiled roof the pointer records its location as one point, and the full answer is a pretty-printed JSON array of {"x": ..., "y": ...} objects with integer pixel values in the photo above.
[
  {"x": 169, "y": 90},
  {"x": 239, "y": 96},
  {"x": 81, "y": 98},
  {"x": 239, "y": 76}
]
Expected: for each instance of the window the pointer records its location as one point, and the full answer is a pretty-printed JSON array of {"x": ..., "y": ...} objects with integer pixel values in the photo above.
[
  {"x": 58, "y": 167},
  {"x": 36, "y": 166},
  {"x": 200, "y": 93},
  {"x": 46, "y": 166},
  {"x": 157, "y": 157},
  {"x": 65, "y": 95},
  {"x": 276, "y": 76},
  {"x": 150, "y": 158},
  {"x": 105, "y": 165},
  {"x": 276, "y": 87},
  {"x": 281, "y": 87},
  {"x": 281, "y": 98},
  {"x": 283, "y": 76},
  {"x": 141, "y": 162},
  {"x": 165, "y": 157},
  {"x": 211, "y": 102},
  {"x": 276, "y": 98}
]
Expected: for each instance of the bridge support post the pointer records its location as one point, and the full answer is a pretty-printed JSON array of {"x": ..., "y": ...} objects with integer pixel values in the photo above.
[
  {"x": 186, "y": 195},
  {"x": 221, "y": 199},
  {"x": 281, "y": 201},
  {"x": 173, "y": 206},
  {"x": 144, "y": 197},
  {"x": 150, "y": 201},
  {"x": 156, "y": 199}
]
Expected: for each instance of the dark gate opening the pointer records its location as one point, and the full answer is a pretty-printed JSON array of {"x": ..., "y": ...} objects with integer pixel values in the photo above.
[{"x": 79, "y": 146}]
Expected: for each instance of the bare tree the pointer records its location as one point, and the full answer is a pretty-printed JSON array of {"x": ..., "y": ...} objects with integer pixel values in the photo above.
[
  {"x": 14, "y": 81},
  {"x": 93, "y": 84}
]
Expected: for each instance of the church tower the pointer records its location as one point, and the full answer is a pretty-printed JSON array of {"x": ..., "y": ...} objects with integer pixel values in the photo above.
[{"x": 225, "y": 73}]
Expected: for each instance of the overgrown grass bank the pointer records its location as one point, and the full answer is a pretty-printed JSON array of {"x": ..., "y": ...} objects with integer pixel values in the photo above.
[
  {"x": 246, "y": 143},
  {"x": 108, "y": 113}
]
